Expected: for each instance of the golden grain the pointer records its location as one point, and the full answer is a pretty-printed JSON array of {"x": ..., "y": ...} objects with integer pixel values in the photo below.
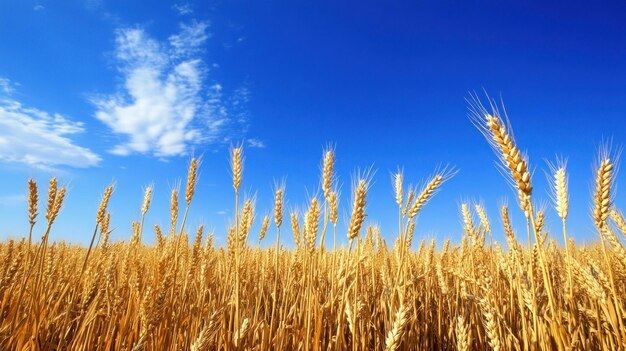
[{"x": 176, "y": 295}]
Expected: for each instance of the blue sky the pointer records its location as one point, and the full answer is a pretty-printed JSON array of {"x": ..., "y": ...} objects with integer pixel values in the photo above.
[{"x": 101, "y": 91}]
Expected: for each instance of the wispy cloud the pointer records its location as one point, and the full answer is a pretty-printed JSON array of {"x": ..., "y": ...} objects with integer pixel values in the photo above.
[
  {"x": 183, "y": 9},
  {"x": 165, "y": 106},
  {"x": 6, "y": 87},
  {"x": 256, "y": 143},
  {"x": 39, "y": 7},
  {"x": 188, "y": 42},
  {"x": 38, "y": 138}
]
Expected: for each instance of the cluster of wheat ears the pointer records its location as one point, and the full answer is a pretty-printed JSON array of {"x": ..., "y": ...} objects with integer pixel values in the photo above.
[{"x": 374, "y": 295}]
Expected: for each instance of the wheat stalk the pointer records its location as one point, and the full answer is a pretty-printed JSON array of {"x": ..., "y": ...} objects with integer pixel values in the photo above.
[
  {"x": 492, "y": 125},
  {"x": 278, "y": 206},
  {"x": 173, "y": 294},
  {"x": 602, "y": 196},
  {"x": 559, "y": 182},
  {"x": 327, "y": 172},
  {"x": 430, "y": 189},
  {"x": 397, "y": 186},
  {"x": 204, "y": 340},
  {"x": 400, "y": 323},
  {"x": 147, "y": 197},
  {"x": 295, "y": 228},
  {"x": 462, "y": 334},
  {"x": 173, "y": 211},
  {"x": 409, "y": 201},
  {"x": 192, "y": 176},
  {"x": 482, "y": 216},
  {"x": 32, "y": 202},
  {"x": 358, "y": 208},
  {"x": 312, "y": 224},
  {"x": 264, "y": 226}
]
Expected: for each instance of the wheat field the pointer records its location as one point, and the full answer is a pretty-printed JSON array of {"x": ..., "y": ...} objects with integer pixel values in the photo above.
[{"x": 183, "y": 293}]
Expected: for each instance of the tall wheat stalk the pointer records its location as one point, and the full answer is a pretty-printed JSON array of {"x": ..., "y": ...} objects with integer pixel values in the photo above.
[
  {"x": 493, "y": 126},
  {"x": 602, "y": 204},
  {"x": 236, "y": 165},
  {"x": 278, "y": 221},
  {"x": 559, "y": 181}
]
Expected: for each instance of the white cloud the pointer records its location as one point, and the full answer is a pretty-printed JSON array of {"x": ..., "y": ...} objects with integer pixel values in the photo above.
[
  {"x": 256, "y": 143},
  {"x": 5, "y": 86},
  {"x": 183, "y": 9},
  {"x": 39, "y": 7},
  {"x": 190, "y": 39},
  {"x": 38, "y": 138},
  {"x": 165, "y": 106}
]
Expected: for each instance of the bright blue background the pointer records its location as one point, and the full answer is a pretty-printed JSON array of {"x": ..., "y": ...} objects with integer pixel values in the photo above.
[{"x": 385, "y": 82}]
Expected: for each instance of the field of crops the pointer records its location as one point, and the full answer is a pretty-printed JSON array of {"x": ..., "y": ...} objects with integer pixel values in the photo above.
[{"x": 183, "y": 293}]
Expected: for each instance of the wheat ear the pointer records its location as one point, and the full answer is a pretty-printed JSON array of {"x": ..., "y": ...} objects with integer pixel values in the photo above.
[
  {"x": 327, "y": 172},
  {"x": 395, "y": 335},
  {"x": 358, "y": 208}
]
